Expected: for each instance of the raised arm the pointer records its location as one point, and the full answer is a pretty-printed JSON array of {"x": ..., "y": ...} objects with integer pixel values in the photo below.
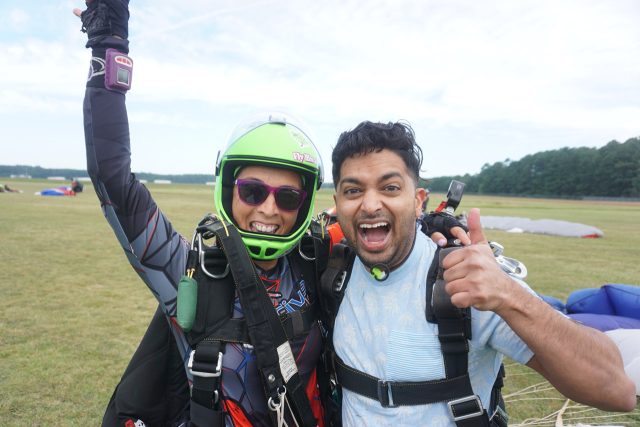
[
  {"x": 582, "y": 363},
  {"x": 153, "y": 247}
]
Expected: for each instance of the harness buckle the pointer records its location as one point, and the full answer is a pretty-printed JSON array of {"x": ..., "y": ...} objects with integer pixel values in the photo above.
[
  {"x": 474, "y": 398},
  {"x": 499, "y": 418},
  {"x": 302, "y": 254},
  {"x": 203, "y": 374},
  {"x": 385, "y": 394},
  {"x": 198, "y": 237}
]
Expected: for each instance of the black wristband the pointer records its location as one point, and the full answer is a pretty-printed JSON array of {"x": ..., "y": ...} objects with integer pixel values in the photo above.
[{"x": 441, "y": 222}]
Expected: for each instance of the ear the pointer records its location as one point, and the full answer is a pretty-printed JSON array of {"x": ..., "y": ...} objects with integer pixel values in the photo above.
[{"x": 421, "y": 197}]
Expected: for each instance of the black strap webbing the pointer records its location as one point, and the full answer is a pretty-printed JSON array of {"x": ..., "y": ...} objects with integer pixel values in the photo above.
[
  {"x": 333, "y": 282},
  {"x": 399, "y": 393},
  {"x": 296, "y": 323},
  {"x": 454, "y": 333},
  {"x": 273, "y": 352},
  {"x": 454, "y": 324},
  {"x": 206, "y": 409}
]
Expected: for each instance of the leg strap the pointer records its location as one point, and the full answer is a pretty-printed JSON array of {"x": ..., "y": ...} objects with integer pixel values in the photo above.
[{"x": 205, "y": 364}]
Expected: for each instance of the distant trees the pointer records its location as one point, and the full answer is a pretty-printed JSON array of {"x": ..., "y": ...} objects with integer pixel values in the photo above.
[
  {"x": 38, "y": 172},
  {"x": 609, "y": 171}
]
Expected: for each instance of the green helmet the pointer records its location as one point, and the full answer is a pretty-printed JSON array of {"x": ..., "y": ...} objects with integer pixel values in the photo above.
[{"x": 278, "y": 141}]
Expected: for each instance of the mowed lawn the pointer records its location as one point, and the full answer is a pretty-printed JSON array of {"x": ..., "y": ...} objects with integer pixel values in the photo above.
[{"x": 74, "y": 311}]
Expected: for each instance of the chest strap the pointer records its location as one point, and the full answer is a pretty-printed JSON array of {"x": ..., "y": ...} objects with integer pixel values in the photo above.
[
  {"x": 392, "y": 394},
  {"x": 295, "y": 324}
]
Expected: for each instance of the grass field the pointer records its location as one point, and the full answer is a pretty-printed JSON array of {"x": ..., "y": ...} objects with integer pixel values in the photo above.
[{"x": 74, "y": 310}]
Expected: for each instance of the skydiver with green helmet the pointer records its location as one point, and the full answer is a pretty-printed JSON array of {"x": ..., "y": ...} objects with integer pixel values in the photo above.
[{"x": 266, "y": 181}]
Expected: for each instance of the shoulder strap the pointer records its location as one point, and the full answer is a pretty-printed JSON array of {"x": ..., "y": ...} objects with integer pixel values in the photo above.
[
  {"x": 454, "y": 333},
  {"x": 454, "y": 324},
  {"x": 331, "y": 288},
  {"x": 432, "y": 276},
  {"x": 333, "y": 282}
]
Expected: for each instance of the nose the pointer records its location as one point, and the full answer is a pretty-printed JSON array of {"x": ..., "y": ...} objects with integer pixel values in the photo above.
[
  {"x": 371, "y": 202},
  {"x": 269, "y": 206}
]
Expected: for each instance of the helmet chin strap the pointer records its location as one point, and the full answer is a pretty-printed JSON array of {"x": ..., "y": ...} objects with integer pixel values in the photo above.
[{"x": 380, "y": 272}]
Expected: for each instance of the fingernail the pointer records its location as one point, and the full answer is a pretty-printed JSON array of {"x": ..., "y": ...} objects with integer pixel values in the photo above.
[{"x": 442, "y": 242}]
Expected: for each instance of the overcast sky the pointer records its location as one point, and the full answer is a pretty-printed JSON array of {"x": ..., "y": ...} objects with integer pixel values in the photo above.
[{"x": 480, "y": 81}]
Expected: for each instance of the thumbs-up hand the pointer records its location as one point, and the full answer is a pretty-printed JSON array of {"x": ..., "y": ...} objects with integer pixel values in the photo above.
[{"x": 472, "y": 275}]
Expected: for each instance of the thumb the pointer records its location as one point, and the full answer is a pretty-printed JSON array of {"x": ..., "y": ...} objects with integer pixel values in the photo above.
[{"x": 476, "y": 233}]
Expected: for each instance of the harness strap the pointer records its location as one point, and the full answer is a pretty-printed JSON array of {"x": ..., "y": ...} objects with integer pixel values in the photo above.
[
  {"x": 454, "y": 324},
  {"x": 294, "y": 324},
  {"x": 464, "y": 406},
  {"x": 391, "y": 394},
  {"x": 331, "y": 287},
  {"x": 273, "y": 352},
  {"x": 333, "y": 281},
  {"x": 454, "y": 333},
  {"x": 205, "y": 364},
  {"x": 499, "y": 418}
]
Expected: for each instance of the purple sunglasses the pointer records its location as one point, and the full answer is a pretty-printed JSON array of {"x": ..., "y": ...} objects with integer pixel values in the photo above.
[{"x": 254, "y": 193}]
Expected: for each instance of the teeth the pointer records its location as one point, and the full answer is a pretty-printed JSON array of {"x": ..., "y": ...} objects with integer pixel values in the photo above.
[
  {"x": 376, "y": 225},
  {"x": 264, "y": 228}
]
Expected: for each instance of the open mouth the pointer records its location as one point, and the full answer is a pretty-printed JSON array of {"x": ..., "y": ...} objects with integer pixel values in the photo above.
[
  {"x": 260, "y": 227},
  {"x": 375, "y": 234}
]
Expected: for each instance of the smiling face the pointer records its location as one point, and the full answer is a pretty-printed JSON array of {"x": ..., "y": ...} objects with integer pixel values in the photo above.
[
  {"x": 377, "y": 204},
  {"x": 266, "y": 217}
]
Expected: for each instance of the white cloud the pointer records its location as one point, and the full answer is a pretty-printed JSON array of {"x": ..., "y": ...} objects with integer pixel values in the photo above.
[
  {"x": 493, "y": 79},
  {"x": 18, "y": 18}
]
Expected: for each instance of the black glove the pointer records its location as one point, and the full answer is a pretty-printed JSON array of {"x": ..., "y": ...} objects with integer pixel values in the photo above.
[
  {"x": 441, "y": 222},
  {"x": 105, "y": 18}
]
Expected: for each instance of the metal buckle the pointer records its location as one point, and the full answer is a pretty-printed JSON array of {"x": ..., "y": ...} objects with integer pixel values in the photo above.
[
  {"x": 197, "y": 236},
  {"x": 464, "y": 400},
  {"x": 385, "y": 394},
  {"x": 499, "y": 417},
  {"x": 217, "y": 372},
  {"x": 302, "y": 255}
]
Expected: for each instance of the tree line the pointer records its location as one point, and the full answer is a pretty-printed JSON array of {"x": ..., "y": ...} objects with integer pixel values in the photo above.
[
  {"x": 38, "y": 172},
  {"x": 609, "y": 171}
]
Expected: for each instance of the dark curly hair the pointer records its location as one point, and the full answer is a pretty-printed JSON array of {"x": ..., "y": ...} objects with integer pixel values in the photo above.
[{"x": 369, "y": 137}]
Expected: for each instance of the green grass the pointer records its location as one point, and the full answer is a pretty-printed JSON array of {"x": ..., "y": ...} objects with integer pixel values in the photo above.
[{"x": 74, "y": 310}]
